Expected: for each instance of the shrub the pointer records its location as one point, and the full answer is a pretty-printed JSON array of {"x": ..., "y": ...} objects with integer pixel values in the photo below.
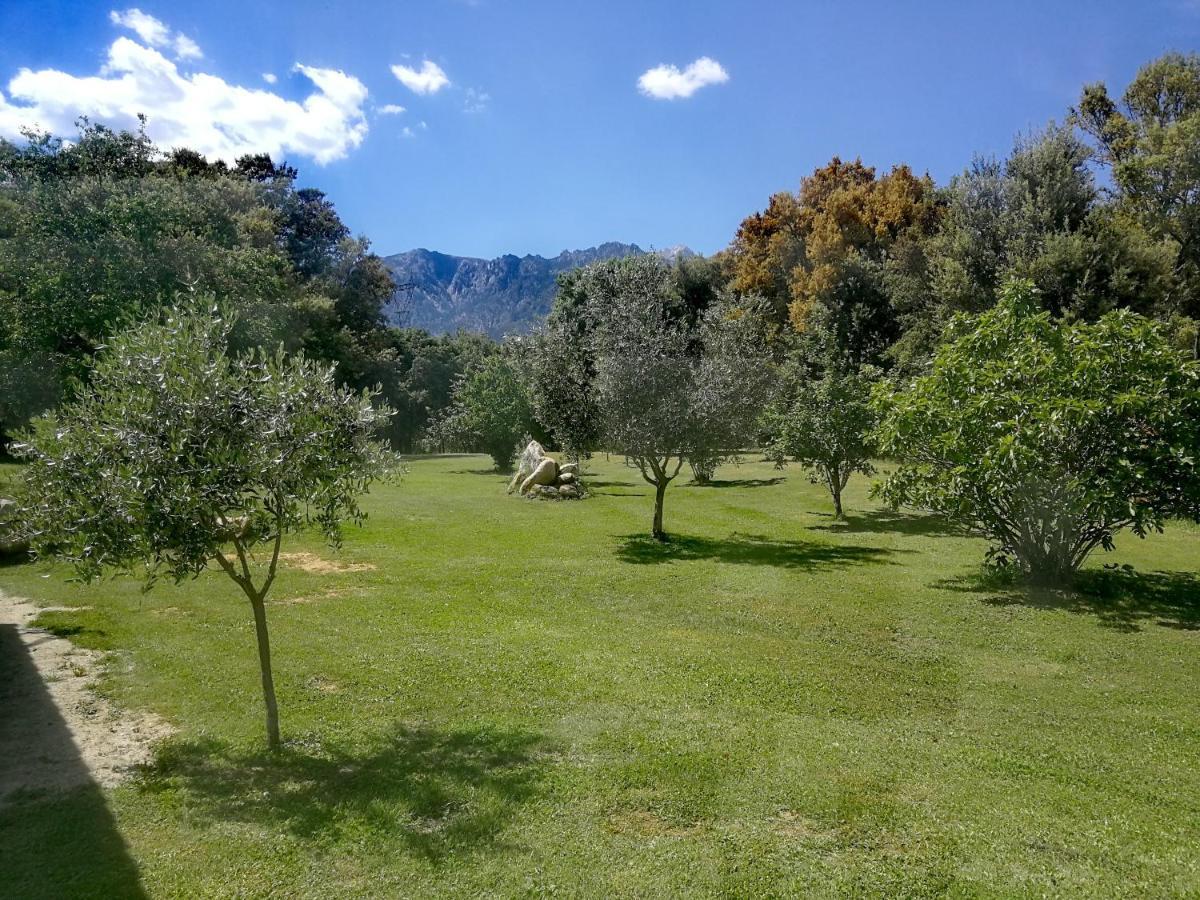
[{"x": 1046, "y": 436}]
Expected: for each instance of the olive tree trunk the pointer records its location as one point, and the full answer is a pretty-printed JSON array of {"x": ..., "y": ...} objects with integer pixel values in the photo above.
[
  {"x": 654, "y": 471},
  {"x": 257, "y": 597},
  {"x": 660, "y": 494},
  {"x": 264, "y": 663}
]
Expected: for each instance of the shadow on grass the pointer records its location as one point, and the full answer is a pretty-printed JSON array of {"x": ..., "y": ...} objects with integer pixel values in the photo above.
[
  {"x": 14, "y": 559},
  {"x": 746, "y": 549},
  {"x": 495, "y": 472},
  {"x": 883, "y": 521},
  {"x": 739, "y": 483},
  {"x": 408, "y": 456},
  {"x": 595, "y": 487},
  {"x": 1121, "y": 599},
  {"x": 434, "y": 792},
  {"x": 57, "y": 835}
]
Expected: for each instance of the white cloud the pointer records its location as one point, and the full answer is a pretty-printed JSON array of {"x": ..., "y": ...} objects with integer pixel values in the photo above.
[
  {"x": 186, "y": 48},
  {"x": 669, "y": 83},
  {"x": 199, "y": 111},
  {"x": 390, "y": 109},
  {"x": 475, "y": 101},
  {"x": 408, "y": 132},
  {"x": 155, "y": 33},
  {"x": 145, "y": 26},
  {"x": 429, "y": 79}
]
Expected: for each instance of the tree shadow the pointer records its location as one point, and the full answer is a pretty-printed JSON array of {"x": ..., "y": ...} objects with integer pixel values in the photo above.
[
  {"x": 58, "y": 836},
  {"x": 435, "y": 792},
  {"x": 739, "y": 483},
  {"x": 595, "y": 486},
  {"x": 746, "y": 549},
  {"x": 1120, "y": 598},
  {"x": 416, "y": 456},
  {"x": 882, "y": 521},
  {"x": 496, "y": 472}
]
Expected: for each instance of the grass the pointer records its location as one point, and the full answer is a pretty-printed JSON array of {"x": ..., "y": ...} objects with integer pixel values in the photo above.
[{"x": 497, "y": 697}]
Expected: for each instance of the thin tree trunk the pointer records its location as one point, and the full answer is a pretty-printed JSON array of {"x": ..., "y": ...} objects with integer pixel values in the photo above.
[
  {"x": 660, "y": 493},
  {"x": 836, "y": 483},
  {"x": 264, "y": 662},
  {"x": 257, "y": 597}
]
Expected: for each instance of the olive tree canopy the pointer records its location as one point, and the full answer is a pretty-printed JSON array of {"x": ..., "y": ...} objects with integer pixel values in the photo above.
[
  {"x": 669, "y": 389},
  {"x": 179, "y": 454}
]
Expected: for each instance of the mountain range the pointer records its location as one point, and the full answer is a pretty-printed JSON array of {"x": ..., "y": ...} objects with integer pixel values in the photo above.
[{"x": 506, "y": 295}]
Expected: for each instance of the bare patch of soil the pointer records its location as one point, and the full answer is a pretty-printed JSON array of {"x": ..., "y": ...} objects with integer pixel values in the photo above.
[
  {"x": 304, "y": 599},
  {"x": 316, "y": 565},
  {"x": 55, "y": 730}
]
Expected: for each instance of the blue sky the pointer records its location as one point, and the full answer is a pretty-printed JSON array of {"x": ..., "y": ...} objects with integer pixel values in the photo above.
[{"x": 540, "y": 138}]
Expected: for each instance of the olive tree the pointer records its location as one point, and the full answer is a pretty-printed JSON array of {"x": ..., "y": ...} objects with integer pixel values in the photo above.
[
  {"x": 1046, "y": 436},
  {"x": 668, "y": 391},
  {"x": 829, "y": 428},
  {"x": 179, "y": 454}
]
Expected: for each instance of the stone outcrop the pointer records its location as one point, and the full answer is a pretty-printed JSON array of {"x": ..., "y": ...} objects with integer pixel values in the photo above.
[
  {"x": 545, "y": 474},
  {"x": 540, "y": 476}
]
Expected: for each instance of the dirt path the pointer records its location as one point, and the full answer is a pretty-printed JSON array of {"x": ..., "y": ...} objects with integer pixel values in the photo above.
[{"x": 55, "y": 730}]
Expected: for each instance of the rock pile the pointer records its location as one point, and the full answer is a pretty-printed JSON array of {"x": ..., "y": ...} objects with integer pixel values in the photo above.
[{"x": 540, "y": 476}]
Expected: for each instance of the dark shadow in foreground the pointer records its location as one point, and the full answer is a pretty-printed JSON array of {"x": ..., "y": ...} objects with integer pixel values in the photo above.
[
  {"x": 749, "y": 549},
  {"x": 57, "y": 835},
  {"x": 435, "y": 792},
  {"x": 883, "y": 521},
  {"x": 1120, "y": 598}
]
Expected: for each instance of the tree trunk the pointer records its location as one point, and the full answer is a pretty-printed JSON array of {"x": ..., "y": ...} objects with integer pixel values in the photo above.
[
  {"x": 660, "y": 492},
  {"x": 836, "y": 482},
  {"x": 264, "y": 662}
]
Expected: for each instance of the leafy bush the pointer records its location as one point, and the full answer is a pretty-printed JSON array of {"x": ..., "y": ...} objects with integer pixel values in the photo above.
[
  {"x": 829, "y": 428},
  {"x": 491, "y": 411},
  {"x": 1046, "y": 436}
]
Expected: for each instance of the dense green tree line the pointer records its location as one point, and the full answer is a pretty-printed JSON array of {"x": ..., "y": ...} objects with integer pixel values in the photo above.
[
  {"x": 99, "y": 233},
  {"x": 1101, "y": 212}
]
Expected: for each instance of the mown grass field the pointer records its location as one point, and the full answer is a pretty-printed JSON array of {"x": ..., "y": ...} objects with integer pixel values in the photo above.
[{"x": 486, "y": 696}]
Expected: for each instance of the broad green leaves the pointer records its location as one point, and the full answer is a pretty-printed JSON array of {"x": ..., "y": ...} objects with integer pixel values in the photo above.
[{"x": 1047, "y": 437}]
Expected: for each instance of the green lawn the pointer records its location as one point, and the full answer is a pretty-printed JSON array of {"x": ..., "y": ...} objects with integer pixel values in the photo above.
[{"x": 502, "y": 697}]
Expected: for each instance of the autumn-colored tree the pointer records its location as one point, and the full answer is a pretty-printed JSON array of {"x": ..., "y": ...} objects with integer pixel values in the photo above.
[
  {"x": 839, "y": 250},
  {"x": 848, "y": 213},
  {"x": 768, "y": 246}
]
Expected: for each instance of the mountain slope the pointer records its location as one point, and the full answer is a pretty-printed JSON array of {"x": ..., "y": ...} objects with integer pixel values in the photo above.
[{"x": 509, "y": 294}]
